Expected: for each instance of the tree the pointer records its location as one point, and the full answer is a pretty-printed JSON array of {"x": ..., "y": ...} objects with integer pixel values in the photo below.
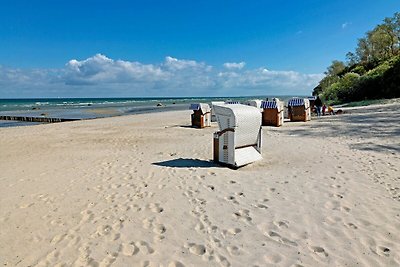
[
  {"x": 335, "y": 68},
  {"x": 363, "y": 50},
  {"x": 351, "y": 58}
]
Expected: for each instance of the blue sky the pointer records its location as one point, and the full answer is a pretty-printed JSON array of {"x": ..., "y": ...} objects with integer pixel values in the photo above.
[{"x": 176, "y": 48}]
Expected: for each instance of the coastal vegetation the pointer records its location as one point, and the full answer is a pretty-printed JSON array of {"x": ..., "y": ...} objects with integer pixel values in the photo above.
[{"x": 371, "y": 72}]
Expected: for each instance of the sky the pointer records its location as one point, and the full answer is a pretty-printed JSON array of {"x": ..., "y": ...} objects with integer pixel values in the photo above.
[{"x": 96, "y": 48}]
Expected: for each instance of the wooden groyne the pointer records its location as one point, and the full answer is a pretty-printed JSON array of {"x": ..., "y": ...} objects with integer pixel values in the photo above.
[{"x": 34, "y": 119}]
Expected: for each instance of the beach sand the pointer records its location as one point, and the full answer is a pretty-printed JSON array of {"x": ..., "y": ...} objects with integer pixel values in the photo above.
[{"x": 142, "y": 190}]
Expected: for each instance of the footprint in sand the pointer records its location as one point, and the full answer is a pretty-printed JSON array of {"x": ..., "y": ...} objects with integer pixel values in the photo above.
[
  {"x": 233, "y": 250},
  {"x": 282, "y": 224},
  {"x": 347, "y": 209},
  {"x": 243, "y": 215},
  {"x": 211, "y": 187},
  {"x": 108, "y": 261},
  {"x": 352, "y": 225},
  {"x": 159, "y": 229},
  {"x": 144, "y": 247},
  {"x": 222, "y": 261},
  {"x": 240, "y": 194},
  {"x": 155, "y": 207},
  {"x": 196, "y": 249},
  {"x": 231, "y": 231},
  {"x": 261, "y": 206},
  {"x": 384, "y": 250},
  {"x": 128, "y": 249},
  {"x": 277, "y": 237},
  {"x": 103, "y": 230},
  {"x": 232, "y": 198},
  {"x": 199, "y": 227},
  {"x": 319, "y": 251}
]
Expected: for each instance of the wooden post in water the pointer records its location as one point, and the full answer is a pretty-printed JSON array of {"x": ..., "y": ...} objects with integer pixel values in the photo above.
[{"x": 34, "y": 119}]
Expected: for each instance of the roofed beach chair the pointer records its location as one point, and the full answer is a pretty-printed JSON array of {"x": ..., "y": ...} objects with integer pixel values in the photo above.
[
  {"x": 299, "y": 109},
  {"x": 201, "y": 116},
  {"x": 273, "y": 113},
  {"x": 254, "y": 103},
  {"x": 213, "y": 103},
  {"x": 239, "y": 140}
]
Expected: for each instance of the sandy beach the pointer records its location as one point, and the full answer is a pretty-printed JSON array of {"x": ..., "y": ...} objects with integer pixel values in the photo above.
[{"x": 142, "y": 190}]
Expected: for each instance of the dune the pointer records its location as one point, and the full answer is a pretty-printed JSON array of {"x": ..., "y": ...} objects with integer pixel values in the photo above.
[{"x": 142, "y": 190}]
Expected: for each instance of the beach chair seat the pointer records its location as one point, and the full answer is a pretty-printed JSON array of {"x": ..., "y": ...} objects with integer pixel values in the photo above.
[
  {"x": 238, "y": 142},
  {"x": 201, "y": 116}
]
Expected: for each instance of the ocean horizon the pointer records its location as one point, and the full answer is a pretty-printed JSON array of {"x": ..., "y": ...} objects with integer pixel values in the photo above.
[{"x": 91, "y": 108}]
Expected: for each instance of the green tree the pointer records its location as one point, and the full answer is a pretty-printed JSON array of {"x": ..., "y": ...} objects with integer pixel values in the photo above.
[{"x": 335, "y": 68}]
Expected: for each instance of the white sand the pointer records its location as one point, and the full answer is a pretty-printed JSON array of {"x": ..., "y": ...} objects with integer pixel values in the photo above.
[{"x": 141, "y": 191}]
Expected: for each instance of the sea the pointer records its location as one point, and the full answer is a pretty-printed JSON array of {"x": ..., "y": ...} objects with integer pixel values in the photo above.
[{"x": 92, "y": 108}]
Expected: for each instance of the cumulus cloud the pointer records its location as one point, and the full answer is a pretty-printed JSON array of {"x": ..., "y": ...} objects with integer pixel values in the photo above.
[
  {"x": 234, "y": 65},
  {"x": 101, "y": 69},
  {"x": 103, "y": 76}
]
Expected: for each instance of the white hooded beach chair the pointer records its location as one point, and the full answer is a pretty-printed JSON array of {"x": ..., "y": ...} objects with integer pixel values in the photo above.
[
  {"x": 239, "y": 140},
  {"x": 214, "y": 103},
  {"x": 299, "y": 109},
  {"x": 254, "y": 103},
  {"x": 273, "y": 113},
  {"x": 201, "y": 116}
]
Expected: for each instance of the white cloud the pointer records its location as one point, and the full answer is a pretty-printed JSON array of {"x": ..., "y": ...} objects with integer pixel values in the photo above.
[
  {"x": 103, "y": 76},
  {"x": 233, "y": 65},
  {"x": 345, "y": 25},
  {"x": 100, "y": 69}
]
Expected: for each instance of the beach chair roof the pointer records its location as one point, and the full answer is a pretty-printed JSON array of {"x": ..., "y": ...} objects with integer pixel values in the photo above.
[
  {"x": 299, "y": 102},
  {"x": 272, "y": 105},
  {"x": 232, "y": 102},
  {"x": 203, "y": 107},
  {"x": 245, "y": 120}
]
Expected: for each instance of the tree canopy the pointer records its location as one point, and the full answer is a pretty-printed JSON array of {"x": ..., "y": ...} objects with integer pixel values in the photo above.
[{"x": 372, "y": 71}]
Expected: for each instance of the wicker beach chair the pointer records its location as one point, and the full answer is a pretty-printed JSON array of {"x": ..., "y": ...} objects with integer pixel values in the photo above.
[
  {"x": 299, "y": 109},
  {"x": 201, "y": 116},
  {"x": 272, "y": 114},
  {"x": 239, "y": 140}
]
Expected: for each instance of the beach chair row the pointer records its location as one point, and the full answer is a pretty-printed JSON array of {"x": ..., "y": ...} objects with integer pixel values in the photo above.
[
  {"x": 239, "y": 139},
  {"x": 272, "y": 111}
]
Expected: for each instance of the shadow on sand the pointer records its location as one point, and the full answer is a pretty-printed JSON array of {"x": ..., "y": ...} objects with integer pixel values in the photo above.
[
  {"x": 362, "y": 125},
  {"x": 186, "y": 163}
]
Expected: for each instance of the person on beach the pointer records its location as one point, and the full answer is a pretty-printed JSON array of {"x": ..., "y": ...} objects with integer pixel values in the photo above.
[
  {"x": 318, "y": 105},
  {"x": 330, "y": 110}
]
